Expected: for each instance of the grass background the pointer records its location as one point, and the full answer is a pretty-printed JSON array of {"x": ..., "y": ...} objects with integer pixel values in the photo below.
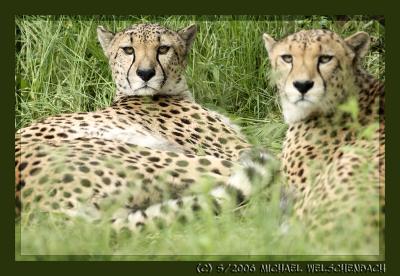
[{"x": 60, "y": 68}]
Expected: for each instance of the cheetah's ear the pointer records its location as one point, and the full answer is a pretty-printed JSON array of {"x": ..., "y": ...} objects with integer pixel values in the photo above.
[
  {"x": 188, "y": 34},
  {"x": 359, "y": 43},
  {"x": 269, "y": 42},
  {"x": 104, "y": 37}
]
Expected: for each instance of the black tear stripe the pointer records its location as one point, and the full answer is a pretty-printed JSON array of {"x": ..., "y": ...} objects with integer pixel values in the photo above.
[
  {"x": 127, "y": 74},
  {"x": 291, "y": 68},
  {"x": 323, "y": 80},
  {"x": 162, "y": 69},
  {"x": 176, "y": 54},
  {"x": 159, "y": 63},
  {"x": 133, "y": 61},
  {"x": 339, "y": 66}
]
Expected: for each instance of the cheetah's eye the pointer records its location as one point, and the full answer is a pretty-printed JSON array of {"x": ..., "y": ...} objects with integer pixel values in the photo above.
[
  {"x": 324, "y": 59},
  {"x": 287, "y": 58},
  {"x": 162, "y": 50},
  {"x": 128, "y": 50}
]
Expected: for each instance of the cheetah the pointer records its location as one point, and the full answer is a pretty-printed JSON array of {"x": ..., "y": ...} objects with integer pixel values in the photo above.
[
  {"x": 141, "y": 157},
  {"x": 333, "y": 168},
  {"x": 154, "y": 109},
  {"x": 87, "y": 177}
]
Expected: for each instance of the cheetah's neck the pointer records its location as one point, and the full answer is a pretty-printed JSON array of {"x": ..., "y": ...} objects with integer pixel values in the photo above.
[{"x": 184, "y": 95}]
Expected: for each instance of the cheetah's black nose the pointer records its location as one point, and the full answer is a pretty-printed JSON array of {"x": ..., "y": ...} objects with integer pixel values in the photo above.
[
  {"x": 145, "y": 74},
  {"x": 303, "y": 86}
]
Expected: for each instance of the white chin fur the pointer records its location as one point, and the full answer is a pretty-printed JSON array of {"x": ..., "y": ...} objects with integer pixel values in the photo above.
[
  {"x": 145, "y": 92},
  {"x": 293, "y": 113}
]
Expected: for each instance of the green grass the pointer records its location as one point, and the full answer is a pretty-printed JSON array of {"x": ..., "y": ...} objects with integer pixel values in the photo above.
[
  {"x": 252, "y": 232},
  {"x": 60, "y": 68}
]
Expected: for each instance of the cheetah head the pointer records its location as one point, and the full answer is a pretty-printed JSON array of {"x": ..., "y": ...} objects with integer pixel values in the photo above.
[
  {"x": 314, "y": 70},
  {"x": 148, "y": 59}
]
